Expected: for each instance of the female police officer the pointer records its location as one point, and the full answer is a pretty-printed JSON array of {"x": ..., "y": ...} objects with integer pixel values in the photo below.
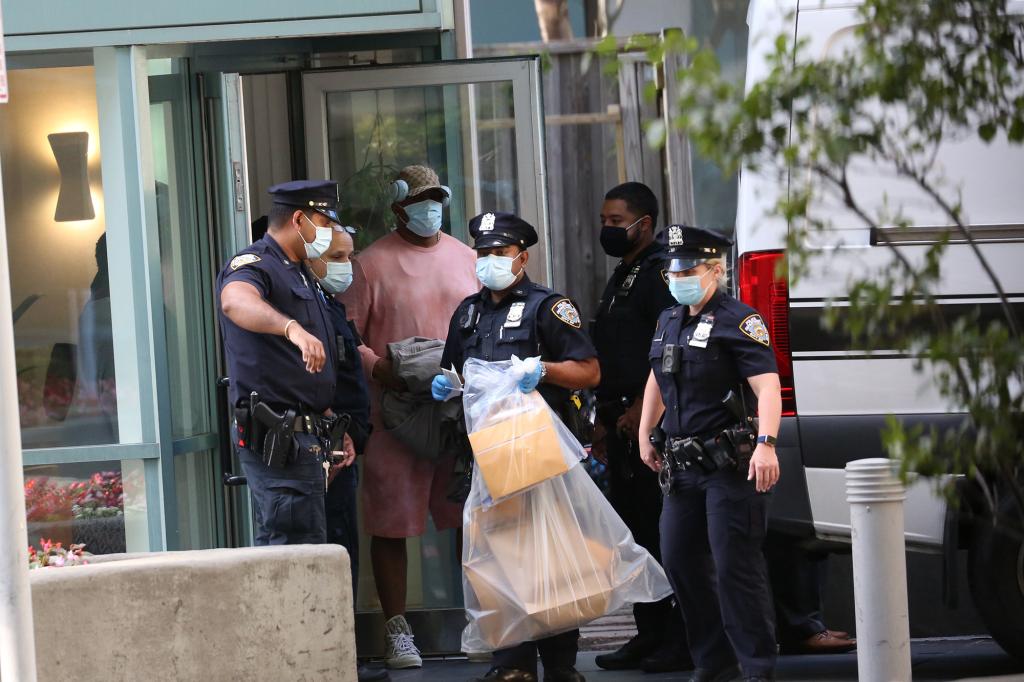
[
  {"x": 714, "y": 518},
  {"x": 510, "y": 316}
]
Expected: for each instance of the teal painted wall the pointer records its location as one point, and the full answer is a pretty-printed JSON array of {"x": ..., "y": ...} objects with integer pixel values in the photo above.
[{"x": 24, "y": 17}]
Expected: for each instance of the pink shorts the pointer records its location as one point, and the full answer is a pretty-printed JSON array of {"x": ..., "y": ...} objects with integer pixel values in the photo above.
[{"x": 399, "y": 489}]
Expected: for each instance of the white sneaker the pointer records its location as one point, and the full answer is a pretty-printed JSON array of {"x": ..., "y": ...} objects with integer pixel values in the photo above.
[{"x": 401, "y": 652}]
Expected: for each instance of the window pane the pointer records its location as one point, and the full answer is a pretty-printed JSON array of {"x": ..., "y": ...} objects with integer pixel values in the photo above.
[
  {"x": 76, "y": 504},
  {"x": 181, "y": 259},
  {"x": 195, "y": 476},
  {"x": 64, "y": 340},
  {"x": 373, "y": 134}
]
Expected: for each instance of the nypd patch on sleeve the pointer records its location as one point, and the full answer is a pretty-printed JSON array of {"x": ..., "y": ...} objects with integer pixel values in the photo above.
[
  {"x": 565, "y": 311},
  {"x": 754, "y": 327},
  {"x": 243, "y": 260}
]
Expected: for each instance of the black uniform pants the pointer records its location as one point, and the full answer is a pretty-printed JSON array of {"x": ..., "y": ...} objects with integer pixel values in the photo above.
[
  {"x": 797, "y": 577},
  {"x": 712, "y": 530},
  {"x": 342, "y": 522},
  {"x": 558, "y": 651},
  {"x": 288, "y": 502},
  {"x": 636, "y": 497}
]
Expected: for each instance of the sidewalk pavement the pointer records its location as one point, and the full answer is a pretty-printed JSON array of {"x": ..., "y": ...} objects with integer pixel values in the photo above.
[{"x": 954, "y": 658}]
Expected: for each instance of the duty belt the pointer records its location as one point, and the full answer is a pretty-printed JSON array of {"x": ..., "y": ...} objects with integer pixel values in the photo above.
[{"x": 729, "y": 449}]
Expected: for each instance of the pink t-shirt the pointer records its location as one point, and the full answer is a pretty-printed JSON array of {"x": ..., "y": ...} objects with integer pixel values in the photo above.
[{"x": 401, "y": 290}]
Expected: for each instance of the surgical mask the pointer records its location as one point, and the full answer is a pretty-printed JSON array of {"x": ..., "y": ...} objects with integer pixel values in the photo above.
[
  {"x": 495, "y": 272},
  {"x": 338, "y": 277},
  {"x": 424, "y": 217},
  {"x": 615, "y": 240},
  {"x": 687, "y": 290},
  {"x": 321, "y": 242}
]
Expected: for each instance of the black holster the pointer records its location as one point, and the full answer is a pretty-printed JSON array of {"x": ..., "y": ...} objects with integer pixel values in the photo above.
[{"x": 278, "y": 442}]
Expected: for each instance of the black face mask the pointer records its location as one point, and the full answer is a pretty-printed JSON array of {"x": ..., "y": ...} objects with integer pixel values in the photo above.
[{"x": 615, "y": 240}]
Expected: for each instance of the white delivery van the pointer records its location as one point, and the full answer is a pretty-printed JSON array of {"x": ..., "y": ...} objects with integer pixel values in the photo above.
[{"x": 836, "y": 399}]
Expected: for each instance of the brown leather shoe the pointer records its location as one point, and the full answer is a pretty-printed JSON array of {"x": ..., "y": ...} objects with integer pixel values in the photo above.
[
  {"x": 839, "y": 634},
  {"x": 825, "y": 642}
]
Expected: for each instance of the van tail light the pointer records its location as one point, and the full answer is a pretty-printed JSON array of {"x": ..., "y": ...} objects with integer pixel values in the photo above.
[{"x": 763, "y": 286}]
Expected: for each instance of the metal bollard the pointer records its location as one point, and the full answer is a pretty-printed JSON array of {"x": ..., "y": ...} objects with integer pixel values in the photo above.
[{"x": 876, "y": 496}]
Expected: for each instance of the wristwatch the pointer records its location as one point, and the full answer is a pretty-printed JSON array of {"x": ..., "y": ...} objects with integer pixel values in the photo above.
[
  {"x": 767, "y": 440},
  {"x": 543, "y": 373}
]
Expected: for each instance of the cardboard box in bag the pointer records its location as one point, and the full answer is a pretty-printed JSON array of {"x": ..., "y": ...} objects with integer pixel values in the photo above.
[
  {"x": 519, "y": 450},
  {"x": 539, "y": 577}
]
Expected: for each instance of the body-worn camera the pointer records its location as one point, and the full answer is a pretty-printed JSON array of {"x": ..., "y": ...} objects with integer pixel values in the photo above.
[{"x": 671, "y": 360}]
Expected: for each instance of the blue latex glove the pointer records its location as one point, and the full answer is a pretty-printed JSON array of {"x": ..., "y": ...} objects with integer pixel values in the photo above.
[
  {"x": 530, "y": 379},
  {"x": 440, "y": 387}
]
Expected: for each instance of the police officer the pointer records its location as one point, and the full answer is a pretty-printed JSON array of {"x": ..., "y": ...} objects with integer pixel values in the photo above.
[
  {"x": 622, "y": 331},
  {"x": 333, "y": 272},
  {"x": 282, "y": 362},
  {"x": 714, "y": 518},
  {"x": 510, "y": 316}
]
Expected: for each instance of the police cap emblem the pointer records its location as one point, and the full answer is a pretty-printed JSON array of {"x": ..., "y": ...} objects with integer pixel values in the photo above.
[
  {"x": 487, "y": 222},
  {"x": 754, "y": 327},
  {"x": 244, "y": 259},
  {"x": 675, "y": 235},
  {"x": 565, "y": 311}
]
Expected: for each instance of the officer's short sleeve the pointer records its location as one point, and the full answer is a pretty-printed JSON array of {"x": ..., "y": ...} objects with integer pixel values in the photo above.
[
  {"x": 242, "y": 268},
  {"x": 746, "y": 335},
  {"x": 561, "y": 330}
]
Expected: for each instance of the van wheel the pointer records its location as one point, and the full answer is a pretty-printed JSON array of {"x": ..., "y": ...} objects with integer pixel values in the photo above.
[{"x": 996, "y": 576}]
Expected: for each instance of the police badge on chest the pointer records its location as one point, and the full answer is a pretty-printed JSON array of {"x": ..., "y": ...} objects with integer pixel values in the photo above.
[
  {"x": 515, "y": 315},
  {"x": 703, "y": 331}
]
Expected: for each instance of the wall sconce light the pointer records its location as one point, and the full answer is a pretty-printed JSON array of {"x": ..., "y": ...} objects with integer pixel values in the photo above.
[{"x": 74, "y": 202}]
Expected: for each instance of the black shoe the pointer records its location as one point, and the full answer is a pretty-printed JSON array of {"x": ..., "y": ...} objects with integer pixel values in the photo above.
[
  {"x": 724, "y": 675},
  {"x": 506, "y": 675},
  {"x": 667, "y": 659},
  {"x": 367, "y": 674},
  {"x": 569, "y": 674},
  {"x": 629, "y": 655}
]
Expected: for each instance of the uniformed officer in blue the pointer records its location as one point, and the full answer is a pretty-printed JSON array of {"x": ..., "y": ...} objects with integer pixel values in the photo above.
[
  {"x": 280, "y": 350},
  {"x": 714, "y": 518},
  {"x": 510, "y": 316},
  {"x": 333, "y": 273}
]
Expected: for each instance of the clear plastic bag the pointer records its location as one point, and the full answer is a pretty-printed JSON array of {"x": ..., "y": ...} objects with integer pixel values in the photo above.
[
  {"x": 551, "y": 557},
  {"x": 517, "y": 440}
]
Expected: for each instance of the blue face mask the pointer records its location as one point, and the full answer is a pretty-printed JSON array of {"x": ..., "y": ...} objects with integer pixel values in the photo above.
[
  {"x": 424, "y": 217},
  {"x": 687, "y": 290},
  {"x": 338, "y": 277},
  {"x": 495, "y": 272}
]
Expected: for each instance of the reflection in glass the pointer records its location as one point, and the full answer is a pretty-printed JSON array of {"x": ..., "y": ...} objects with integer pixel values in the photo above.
[
  {"x": 81, "y": 504},
  {"x": 59, "y": 279},
  {"x": 181, "y": 262},
  {"x": 97, "y": 394},
  {"x": 375, "y": 133}
]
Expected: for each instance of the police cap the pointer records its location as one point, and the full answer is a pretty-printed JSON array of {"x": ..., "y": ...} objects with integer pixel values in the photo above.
[
  {"x": 313, "y": 195},
  {"x": 501, "y": 229},
  {"x": 686, "y": 247}
]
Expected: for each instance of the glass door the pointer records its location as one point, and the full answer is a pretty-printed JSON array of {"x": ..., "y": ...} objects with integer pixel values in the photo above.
[
  {"x": 187, "y": 381},
  {"x": 478, "y": 124}
]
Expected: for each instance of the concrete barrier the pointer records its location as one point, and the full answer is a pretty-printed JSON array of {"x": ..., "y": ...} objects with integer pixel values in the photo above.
[{"x": 261, "y": 613}]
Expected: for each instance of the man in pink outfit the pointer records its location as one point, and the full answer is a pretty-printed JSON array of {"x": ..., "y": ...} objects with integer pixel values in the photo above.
[{"x": 408, "y": 283}]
